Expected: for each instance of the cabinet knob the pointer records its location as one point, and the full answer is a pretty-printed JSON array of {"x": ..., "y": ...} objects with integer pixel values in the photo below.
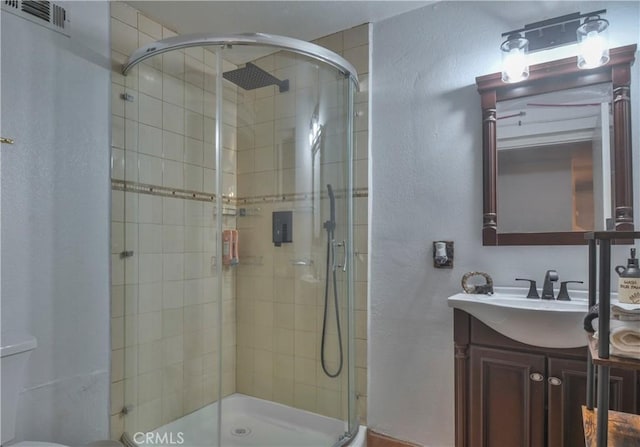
[
  {"x": 554, "y": 381},
  {"x": 536, "y": 377}
]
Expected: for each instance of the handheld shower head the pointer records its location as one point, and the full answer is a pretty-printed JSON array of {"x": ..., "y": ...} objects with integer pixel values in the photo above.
[
  {"x": 330, "y": 225},
  {"x": 332, "y": 268}
]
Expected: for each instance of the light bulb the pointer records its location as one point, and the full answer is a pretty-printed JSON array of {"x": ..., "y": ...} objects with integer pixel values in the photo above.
[
  {"x": 515, "y": 66},
  {"x": 591, "y": 49},
  {"x": 594, "y": 49}
]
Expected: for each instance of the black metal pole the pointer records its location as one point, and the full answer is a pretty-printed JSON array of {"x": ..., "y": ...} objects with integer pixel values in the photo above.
[
  {"x": 591, "y": 385},
  {"x": 604, "y": 311},
  {"x": 603, "y": 405},
  {"x": 593, "y": 269}
]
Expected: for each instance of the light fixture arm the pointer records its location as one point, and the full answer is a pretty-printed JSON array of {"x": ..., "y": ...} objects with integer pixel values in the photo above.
[{"x": 561, "y": 20}]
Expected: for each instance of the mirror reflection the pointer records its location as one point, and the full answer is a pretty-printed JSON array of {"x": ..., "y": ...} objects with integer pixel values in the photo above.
[{"x": 554, "y": 161}]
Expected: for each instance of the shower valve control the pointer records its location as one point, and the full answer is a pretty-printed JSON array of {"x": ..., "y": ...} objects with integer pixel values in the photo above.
[{"x": 282, "y": 224}]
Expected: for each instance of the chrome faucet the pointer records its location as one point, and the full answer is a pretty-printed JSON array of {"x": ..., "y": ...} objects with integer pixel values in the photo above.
[{"x": 547, "y": 289}]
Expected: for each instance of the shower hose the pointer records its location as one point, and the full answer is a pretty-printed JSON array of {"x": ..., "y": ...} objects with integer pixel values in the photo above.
[{"x": 330, "y": 226}]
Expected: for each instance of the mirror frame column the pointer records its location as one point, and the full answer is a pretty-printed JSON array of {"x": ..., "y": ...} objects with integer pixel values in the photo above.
[
  {"x": 490, "y": 170},
  {"x": 621, "y": 79}
]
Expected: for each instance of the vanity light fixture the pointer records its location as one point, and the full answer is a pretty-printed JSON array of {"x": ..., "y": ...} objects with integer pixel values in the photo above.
[{"x": 590, "y": 35}]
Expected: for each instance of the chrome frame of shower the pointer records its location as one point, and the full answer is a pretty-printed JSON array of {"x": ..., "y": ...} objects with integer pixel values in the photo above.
[
  {"x": 249, "y": 39},
  {"x": 312, "y": 51},
  {"x": 353, "y": 425}
]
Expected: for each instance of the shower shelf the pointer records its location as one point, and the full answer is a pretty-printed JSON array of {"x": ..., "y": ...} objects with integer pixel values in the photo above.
[
  {"x": 246, "y": 212},
  {"x": 245, "y": 260},
  {"x": 302, "y": 262},
  {"x": 227, "y": 211}
]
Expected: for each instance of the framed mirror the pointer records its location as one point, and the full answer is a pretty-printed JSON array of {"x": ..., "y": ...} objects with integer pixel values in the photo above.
[{"x": 557, "y": 152}]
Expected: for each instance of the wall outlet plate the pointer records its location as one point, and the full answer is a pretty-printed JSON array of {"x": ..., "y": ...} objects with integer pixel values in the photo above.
[{"x": 443, "y": 254}]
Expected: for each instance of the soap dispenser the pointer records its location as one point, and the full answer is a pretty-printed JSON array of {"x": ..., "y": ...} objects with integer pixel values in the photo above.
[{"x": 629, "y": 280}]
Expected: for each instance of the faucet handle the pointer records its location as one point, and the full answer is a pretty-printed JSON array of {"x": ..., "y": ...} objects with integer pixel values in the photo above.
[
  {"x": 533, "y": 291},
  {"x": 563, "y": 295},
  {"x": 547, "y": 289}
]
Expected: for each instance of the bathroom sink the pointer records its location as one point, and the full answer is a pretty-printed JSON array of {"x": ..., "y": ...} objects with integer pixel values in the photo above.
[{"x": 545, "y": 323}]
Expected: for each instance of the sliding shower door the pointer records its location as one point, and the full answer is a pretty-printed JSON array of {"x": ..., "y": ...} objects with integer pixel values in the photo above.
[
  {"x": 167, "y": 331},
  {"x": 294, "y": 306}
]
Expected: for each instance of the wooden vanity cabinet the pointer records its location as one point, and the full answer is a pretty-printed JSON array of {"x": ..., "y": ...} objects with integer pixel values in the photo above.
[{"x": 512, "y": 394}]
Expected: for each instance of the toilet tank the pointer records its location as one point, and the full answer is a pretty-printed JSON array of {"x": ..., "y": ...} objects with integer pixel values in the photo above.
[{"x": 15, "y": 350}]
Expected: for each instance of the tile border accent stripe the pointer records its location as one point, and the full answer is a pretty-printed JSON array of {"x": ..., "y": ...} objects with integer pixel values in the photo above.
[
  {"x": 302, "y": 196},
  {"x": 143, "y": 188}
]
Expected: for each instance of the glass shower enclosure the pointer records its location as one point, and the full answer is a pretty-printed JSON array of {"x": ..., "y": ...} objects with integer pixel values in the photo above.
[{"x": 235, "y": 205}]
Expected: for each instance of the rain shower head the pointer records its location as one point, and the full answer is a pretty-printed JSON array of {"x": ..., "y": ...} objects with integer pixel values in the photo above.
[{"x": 251, "y": 77}]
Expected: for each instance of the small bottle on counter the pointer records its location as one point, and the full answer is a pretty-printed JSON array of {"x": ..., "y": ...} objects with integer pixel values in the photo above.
[{"x": 629, "y": 280}]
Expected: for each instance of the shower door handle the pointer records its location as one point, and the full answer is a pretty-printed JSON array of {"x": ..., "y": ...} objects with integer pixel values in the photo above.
[{"x": 343, "y": 266}]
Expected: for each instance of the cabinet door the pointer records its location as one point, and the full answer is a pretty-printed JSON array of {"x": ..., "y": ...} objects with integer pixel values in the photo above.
[
  {"x": 506, "y": 402},
  {"x": 567, "y": 391}
]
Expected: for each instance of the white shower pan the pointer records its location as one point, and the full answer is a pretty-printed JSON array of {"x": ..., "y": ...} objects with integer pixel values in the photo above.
[{"x": 251, "y": 422}]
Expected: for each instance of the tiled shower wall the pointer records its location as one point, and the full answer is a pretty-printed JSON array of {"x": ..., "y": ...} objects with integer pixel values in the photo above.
[
  {"x": 164, "y": 308},
  {"x": 280, "y": 302}
]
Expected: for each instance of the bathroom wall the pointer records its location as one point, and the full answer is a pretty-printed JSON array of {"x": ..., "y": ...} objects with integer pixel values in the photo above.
[
  {"x": 427, "y": 185},
  {"x": 164, "y": 310},
  {"x": 55, "y": 220},
  {"x": 280, "y": 304}
]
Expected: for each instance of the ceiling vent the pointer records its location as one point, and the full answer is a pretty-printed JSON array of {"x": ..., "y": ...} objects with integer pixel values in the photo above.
[{"x": 43, "y": 13}]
